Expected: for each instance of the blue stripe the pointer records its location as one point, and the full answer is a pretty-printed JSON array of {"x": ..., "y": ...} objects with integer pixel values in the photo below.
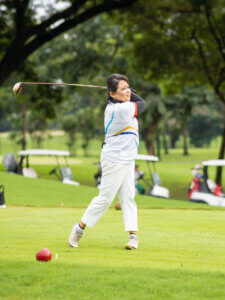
[
  {"x": 124, "y": 133},
  {"x": 107, "y": 127}
]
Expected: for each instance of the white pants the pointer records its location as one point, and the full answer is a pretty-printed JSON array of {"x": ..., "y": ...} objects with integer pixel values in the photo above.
[{"x": 117, "y": 178}]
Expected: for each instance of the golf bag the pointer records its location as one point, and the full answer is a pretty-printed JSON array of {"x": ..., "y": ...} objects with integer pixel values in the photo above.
[{"x": 11, "y": 165}]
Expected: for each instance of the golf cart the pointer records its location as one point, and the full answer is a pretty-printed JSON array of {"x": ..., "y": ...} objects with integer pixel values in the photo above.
[
  {"x": 204, "y": 190},
  {"x": 155, "y": 188},
  {"x": 64, "y": 174}
]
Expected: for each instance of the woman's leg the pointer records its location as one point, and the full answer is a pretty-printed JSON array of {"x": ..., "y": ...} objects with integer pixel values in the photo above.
[
  {"x": 113, "y": 175},
  {"x": 126, "y": 195}
]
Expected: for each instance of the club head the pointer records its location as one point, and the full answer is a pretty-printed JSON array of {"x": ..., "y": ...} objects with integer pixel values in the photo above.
[{"x": 17, "y": 89}]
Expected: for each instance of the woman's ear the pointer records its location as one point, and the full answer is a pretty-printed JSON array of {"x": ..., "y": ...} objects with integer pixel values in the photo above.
[{"x": 111, "y": 94}]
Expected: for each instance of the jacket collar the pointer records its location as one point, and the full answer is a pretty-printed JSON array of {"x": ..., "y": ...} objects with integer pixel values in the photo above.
[{"x": 114, "y": 101}]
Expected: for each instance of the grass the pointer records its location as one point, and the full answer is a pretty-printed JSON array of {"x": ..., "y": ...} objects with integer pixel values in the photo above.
[
  {"x": 47, "y": 193},
  {"x": 181, "y": 253},
  {"x": 174, "y": 169},
  {"x": 175, "y": 260}
]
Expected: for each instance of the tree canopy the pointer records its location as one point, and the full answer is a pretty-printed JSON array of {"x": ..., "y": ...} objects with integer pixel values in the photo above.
[
  {"x": 179, "y": 42},
  {"x": 22, "y": 32}
]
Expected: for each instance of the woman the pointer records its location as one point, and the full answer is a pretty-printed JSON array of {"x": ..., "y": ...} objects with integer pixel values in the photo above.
[{"x": 118, "y": 155}]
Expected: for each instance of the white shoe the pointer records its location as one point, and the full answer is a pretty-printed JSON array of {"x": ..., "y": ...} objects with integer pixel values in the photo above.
[
  {"x": 75, "y": 236},
  {"x": 132, "y": 243}
]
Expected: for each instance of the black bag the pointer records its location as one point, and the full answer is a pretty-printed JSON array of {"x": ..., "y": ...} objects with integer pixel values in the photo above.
[{"x": 2, "y": 196}]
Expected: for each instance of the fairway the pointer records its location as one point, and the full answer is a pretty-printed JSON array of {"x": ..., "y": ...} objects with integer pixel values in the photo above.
[{"x": 181, "y": 252}]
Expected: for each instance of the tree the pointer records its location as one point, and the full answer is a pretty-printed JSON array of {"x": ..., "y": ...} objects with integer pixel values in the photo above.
[
  {"x": 6, "y": 101},
  {"x": 36, "y": 126},
  {"x": 31, "y": 112},
  {"x": 70, "y": 124},
  {"x": 87, "y": 125},
  {"x": 181, "y": 106},
  {"x": 179, "y": 43},
  {"x": 72, "y": 57},
  {"x": 22, "y": 33},
  {"x": 205, "y": 124},
  {"x": 151, "y": 117},
  {"x": 203, "y": 129}
]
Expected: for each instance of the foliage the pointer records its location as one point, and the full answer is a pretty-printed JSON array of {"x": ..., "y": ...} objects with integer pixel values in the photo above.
[
  {"x": 182, "y": 104},
  {"x": 70, "y": 124},
  {"x": 32, "y": 109},
  {"x": 152, "y": 116},
  {"x": 6, "y": 107},
  {"x": 205, "y": 124},
  {"x": 179, "y": 42},
  {"x": 202, "y": 129},
  {"x": 78, "y": 56},
  {"x": 23, "y": 29},
  {"x": 87, "y": 120}
]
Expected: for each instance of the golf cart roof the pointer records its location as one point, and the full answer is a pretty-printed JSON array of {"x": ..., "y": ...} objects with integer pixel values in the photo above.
[
  {"x": 147, "y": 157},
  {"x": 214, "y": 162},
  {"x": 46, "y": 152}
]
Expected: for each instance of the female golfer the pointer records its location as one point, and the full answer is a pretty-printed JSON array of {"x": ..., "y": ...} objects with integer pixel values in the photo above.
[{"x": 118, "y": 155}]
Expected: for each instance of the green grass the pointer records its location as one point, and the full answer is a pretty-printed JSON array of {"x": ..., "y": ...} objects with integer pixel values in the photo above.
[
  {"x": 174, "y": 169},
  {"x": 181, "y": 252},
  {"x": 177, "y": 259},
  {"x": 22, "y": 191}
]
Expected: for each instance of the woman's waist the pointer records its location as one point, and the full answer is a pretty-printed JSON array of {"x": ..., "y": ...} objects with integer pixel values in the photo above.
[{"x": 129, "y": 130}]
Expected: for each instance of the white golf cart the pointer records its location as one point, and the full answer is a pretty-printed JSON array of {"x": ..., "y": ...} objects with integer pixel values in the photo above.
[
  {"x": 205, "y": 190},
  {"x": 155, "y": 189},
  {"x": 63, "y": 173}
]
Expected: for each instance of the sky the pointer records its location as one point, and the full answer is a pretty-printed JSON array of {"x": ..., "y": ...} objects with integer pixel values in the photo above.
[{"x": 43, "y": 7}]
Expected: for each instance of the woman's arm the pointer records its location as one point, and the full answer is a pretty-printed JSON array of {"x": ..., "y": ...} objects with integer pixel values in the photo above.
[{"x": 139, "y": 101}]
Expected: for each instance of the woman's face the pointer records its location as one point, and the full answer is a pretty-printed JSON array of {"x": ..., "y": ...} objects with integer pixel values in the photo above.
[{"x": 122, "y": 93}]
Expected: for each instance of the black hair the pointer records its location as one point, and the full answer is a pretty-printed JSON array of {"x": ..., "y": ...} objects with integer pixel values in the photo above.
[{"x": 112, "y": 83}]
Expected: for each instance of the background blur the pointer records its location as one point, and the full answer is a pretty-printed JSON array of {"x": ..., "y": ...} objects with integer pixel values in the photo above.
[{"x": 173, "y": 53}]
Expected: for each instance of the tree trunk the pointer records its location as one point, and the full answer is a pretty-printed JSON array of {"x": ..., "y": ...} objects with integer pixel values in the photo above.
[
  {"x": 149, "y": 137},
  {"x": 23, "y": 131},
  {"x": 150, "y": 147},
  {"x": 158, "y": 145},
  {"x": 173, "y": 139},
  {"x": 221, "y": 156},
  {"x": 165, "y": 146},
  {"x": 185, "y": 147},
  {"x": 71, "y": 143}
]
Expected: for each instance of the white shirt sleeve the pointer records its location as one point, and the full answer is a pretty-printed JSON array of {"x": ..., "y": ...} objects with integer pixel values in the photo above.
[{"x": 127, "y": 110}]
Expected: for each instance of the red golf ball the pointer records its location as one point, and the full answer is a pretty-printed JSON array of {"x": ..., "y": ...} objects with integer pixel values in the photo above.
[{"x": 44, "y": 255}]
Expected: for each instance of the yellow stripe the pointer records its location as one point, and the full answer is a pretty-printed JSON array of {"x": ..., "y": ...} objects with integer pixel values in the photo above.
[{"x": 128, "y": 127}]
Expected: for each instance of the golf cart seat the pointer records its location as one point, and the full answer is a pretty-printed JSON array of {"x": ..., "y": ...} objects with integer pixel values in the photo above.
[
  {"x": 67, "y": 176},
  {"x": 29, "y": 172},
  {"x": 204, "y": 191},
  {"x": 156, "y": 189}
]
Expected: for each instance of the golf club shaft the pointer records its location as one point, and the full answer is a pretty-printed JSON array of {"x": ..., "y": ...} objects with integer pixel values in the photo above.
[{"x": 65, "y": 84}]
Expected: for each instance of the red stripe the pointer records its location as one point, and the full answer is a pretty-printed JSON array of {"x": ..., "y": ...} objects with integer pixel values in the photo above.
[{"x": 135, "y": 112}]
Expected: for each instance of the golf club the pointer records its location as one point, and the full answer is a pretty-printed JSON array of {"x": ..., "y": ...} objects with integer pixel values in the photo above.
[{"x": 17, "y": 88}]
